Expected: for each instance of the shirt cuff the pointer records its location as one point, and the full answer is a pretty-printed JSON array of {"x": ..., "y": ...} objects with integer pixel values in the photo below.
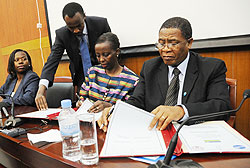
[
  {"x": 44, "y": 82},
  {"x": 186, "y": 115}
]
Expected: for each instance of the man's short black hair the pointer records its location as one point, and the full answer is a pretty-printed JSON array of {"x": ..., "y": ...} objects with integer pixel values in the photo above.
[
  {"x": 71, "y": 9},
  {"x": 180, "y": 23}
]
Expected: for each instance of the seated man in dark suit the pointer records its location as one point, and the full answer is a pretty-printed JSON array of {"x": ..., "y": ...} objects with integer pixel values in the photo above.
[
  {"x": 78, "y": 38},
  {"x": 198, "y": 84}
]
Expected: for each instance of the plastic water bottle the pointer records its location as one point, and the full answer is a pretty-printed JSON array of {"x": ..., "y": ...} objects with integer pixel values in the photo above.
[{"x": 70, "y": 132}]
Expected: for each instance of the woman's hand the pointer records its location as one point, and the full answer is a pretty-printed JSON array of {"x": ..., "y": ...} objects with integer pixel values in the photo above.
[
  {"x": 78, "y": 103},
  {"x": 103, "y": 120},
  {"x": 99, "y": 106}
]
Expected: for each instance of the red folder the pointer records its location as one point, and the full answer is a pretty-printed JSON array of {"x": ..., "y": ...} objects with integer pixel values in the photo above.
[{"x": 167, "y": 136}]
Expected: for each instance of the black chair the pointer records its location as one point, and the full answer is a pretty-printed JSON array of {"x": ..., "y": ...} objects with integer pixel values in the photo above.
[{"x": 62, "y": 89}]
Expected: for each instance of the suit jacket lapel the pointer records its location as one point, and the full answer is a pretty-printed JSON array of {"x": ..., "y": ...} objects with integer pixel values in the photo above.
[
  {"x": 11, "y": 86},
  {"x": 21, "y": 85},
  {"x": 163, "y": 79},
  {"x": 190, "y": 78},
  {"x": 92, "y": 34}
]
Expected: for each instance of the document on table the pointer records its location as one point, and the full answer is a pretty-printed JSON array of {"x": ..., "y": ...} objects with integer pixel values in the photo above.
[
  {"x": 213, "y": 136},
  {"x": 40, "y": 114},
  {"x": 128, "y": 134},
  {"x": 43, "y": 114},
  {"x": 84, "y": 109}
]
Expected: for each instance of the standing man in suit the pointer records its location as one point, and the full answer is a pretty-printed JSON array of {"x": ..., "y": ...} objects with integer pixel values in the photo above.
[
  {"x": 78, "y": 37},
  {"x": 201, "y": 81}
]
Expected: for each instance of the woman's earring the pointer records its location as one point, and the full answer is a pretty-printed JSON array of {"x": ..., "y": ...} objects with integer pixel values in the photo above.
[{"x": 117, "y": 55}]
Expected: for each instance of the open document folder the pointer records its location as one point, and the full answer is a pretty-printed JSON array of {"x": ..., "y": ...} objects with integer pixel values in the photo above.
[
  {"x": 212, "y": 136},
  {"x": 128, "y": 135}
]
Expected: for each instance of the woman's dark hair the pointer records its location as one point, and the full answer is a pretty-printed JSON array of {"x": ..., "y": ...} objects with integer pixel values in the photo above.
[
  {"x": 111, "y": 38},
  {"x": 11, "y": 67}
]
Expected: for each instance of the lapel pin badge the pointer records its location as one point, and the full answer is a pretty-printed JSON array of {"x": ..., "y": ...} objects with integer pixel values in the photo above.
[{"x": 185, "y": 93}]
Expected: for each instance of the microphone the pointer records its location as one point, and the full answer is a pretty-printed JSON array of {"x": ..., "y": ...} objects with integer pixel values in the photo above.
[
  {"x": 3, "y": 108},
  {"x": 11, "y": 121},
  {"x": 171, "y": 147},
  {"x": 12, "y": 102},
  {"x": 246, "y": 93}
]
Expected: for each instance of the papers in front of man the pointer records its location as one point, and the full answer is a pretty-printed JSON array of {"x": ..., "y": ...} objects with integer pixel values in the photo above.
[
  {"x": 52, "y": 113},
  {"x": 128, "y": 135}
]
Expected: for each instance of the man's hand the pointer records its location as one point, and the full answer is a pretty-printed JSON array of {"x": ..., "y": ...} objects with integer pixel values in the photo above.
[
  {"x": 40, "y": 99},
  {"x": 103, "y": 121},
  {"x": 164, "y": 115},
  {"x": 1, "y": 99},
  {"x": 99, "y": 106}
]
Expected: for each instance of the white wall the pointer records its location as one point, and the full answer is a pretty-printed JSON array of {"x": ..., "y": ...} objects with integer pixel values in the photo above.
[{"x": 137, "y": 22}]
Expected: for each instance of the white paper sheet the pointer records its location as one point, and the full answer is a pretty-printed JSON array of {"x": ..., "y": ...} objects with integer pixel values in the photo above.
[
  {"x": 52, "y": 135},
  {"x": 128, "y": 133},
  {"x": 84, "y": 109},
  {"x": 40, "y": 114}
]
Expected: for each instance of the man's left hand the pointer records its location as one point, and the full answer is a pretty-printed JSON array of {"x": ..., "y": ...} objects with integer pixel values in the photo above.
[{"x": 164, "y": 115}]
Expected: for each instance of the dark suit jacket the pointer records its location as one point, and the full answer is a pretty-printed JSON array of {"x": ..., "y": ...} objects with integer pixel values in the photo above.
[
  {"x": 26, "y": 92},
  {"x": 204, "y": 83},
  {"x": 65, "y": 39}
]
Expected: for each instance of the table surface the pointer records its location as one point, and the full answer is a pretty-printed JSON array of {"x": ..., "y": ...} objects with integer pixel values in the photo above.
[{"x": 21, "y": 152}]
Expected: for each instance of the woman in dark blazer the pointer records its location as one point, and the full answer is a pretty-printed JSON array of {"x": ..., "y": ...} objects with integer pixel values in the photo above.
[{"x": 22, "y": 82}]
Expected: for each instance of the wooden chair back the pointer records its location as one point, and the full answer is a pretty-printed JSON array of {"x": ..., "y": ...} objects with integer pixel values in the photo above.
[{"x": 232, "y": 87}]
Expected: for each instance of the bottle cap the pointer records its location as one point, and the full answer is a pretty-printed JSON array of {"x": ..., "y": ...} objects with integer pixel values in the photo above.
[{"x": 66, "y": 103}]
